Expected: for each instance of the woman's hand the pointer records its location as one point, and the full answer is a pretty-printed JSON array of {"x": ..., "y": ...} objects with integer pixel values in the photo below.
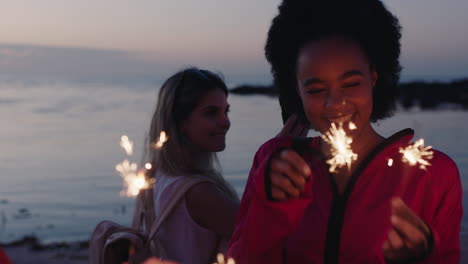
[
  {"x": 410, "y": 238},
  {"x": 154, "y": 260},
  {"x": 288, "y": 175},
  {"x": 295, "y": 127}
]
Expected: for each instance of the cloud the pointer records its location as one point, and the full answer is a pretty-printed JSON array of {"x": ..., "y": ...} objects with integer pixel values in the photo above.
[
  {"x": 87, "y": 63},
  {"x": 9, "y": 101},
  {"x": 35, "y": 59},
  {"x": 59, "y": 108}
]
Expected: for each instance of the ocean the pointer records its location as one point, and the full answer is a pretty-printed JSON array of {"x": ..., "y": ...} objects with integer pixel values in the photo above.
[{"x": 60, "y": 144}]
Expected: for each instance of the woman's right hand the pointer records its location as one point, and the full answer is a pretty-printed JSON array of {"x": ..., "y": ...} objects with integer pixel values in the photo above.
[
  {"x": 154, "y": 260},
  {"x": 288, "y": 175}
]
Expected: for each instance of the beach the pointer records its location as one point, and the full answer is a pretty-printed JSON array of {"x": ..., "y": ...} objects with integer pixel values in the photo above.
[{"x": 29, "y": 251}]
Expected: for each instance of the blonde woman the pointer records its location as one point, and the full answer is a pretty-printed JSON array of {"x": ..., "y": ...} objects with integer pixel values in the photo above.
[{"x": 192, "y": 109}]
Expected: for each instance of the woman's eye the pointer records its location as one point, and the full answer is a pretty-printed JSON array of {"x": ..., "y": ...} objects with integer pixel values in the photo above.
[
  {"x": 210, "y": 113},
  {"x": 353, "y": 84},
  {"x": 315, "y": 91}
]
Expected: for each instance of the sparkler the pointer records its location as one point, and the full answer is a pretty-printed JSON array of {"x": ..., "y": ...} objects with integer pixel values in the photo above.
[
  {"x": 340, "y": 143},
  {"x": 148, "y": 166},
  {"x": 416, "y": 153},
  {"x": 390, "y": 162},
  {"x": 134, "y": 179},
  {"x": 162, "y": 139},
  {"x": 221, "y": 260},
  {"x": 127, "y": 145}
]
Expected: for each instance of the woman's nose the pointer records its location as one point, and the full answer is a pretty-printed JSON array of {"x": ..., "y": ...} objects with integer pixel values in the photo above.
[
  {"x": 224, "y": 122},
  {"x": 334, "y": 99}
]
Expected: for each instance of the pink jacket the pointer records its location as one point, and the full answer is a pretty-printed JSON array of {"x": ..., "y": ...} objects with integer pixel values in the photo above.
[
  {"x": 323, "y": 226},
  {"x": 4, "y": 258}
]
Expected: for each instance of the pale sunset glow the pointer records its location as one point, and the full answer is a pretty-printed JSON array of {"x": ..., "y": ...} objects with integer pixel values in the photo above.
[{"x": 155, "y": 32}]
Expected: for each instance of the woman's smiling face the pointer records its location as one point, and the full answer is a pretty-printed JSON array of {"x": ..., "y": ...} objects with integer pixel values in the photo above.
[
  {"x": 208, "y": 123},
  {"x": 335, "y": 81}
]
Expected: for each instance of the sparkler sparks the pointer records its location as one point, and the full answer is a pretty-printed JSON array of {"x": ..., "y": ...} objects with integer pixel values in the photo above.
[
  {"x": 162, "y": 139},
  {"x": 134, "y": 179},
  {"x": 340, "y": 143},
  {"x": 127, "y": 145},
  {"x": 148, "y": 166},
  {"x": 221, "y": 260},
  {"x": 390, "y": 162},
  {"x": 417, "y": 154}
]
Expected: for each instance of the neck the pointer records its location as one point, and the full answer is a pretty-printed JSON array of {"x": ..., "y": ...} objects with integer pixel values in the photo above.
[{"x": 200, "y": 161}]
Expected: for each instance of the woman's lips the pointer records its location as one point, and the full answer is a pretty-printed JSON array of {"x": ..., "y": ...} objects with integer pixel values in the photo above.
[{"x": 340, "y": 119}]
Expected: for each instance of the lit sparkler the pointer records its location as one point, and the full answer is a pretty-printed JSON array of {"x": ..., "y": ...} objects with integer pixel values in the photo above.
[
  {"x": 340, "y": 143},
  {"x": 127, "y": 145},
  {"x": 162, "y": 139},
  {"x": 390, "y": 162},
  {"x": 134, "y": 179},
  {"x": 417, "y": 154},
  {"x": 148, "y": 166},
  {"x": 221, "y": 260}
]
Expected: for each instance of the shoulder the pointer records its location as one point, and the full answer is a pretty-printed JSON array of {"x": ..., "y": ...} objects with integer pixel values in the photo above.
[
  {"x": 210, "y": 207},
  {"x": 205, "y": 196},
  {"x": 203, "y": 191},
  {"x": 443, "y": 166}
]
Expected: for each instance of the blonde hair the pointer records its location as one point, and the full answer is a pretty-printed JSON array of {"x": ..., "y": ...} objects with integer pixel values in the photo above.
[{"x": 178, "y": 96}]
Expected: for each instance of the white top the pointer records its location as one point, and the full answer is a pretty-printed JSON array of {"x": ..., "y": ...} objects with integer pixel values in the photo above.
[{"x": 183, "y": 239}]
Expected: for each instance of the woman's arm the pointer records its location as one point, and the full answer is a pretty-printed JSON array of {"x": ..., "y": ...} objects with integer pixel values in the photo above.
[
  {"x": 437, "y": 239},
  {"x": 263, "y": 224}
]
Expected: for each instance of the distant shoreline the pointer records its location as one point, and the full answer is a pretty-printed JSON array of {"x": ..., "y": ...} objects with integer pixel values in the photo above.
[{"x": 426, "y": 95}]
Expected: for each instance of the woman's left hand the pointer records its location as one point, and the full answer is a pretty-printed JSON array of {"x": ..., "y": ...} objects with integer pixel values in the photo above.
[{"x": 410, "y": 238}]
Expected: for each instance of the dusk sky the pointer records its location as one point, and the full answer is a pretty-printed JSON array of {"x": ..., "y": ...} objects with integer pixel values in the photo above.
[{"x": 161, "y": 36}]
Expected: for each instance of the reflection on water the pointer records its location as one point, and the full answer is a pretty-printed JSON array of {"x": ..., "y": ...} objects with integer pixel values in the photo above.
[{"x": 60, "y": 147}]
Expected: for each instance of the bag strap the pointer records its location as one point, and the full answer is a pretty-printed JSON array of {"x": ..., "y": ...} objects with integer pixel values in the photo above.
[
  {"x": 186, "y": 185},
  {"x": 148, "y": 203},
  {"x": 139, "y": 212},
  {"x": 143, "y": 216}
]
